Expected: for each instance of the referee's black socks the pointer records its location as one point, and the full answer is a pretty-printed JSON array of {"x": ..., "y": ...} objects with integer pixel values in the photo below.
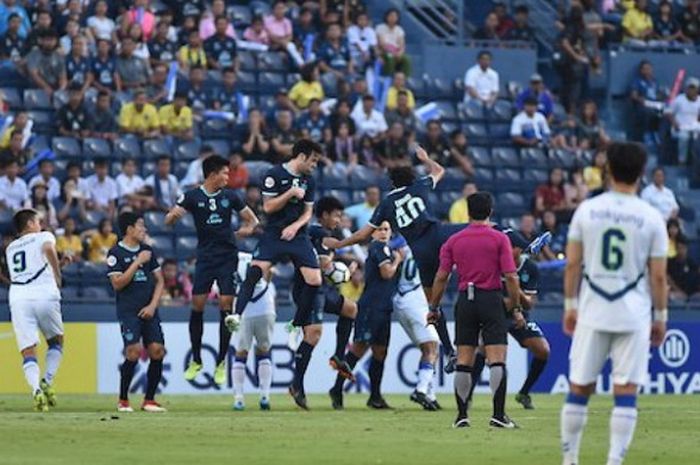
[
  {"x": 498, "y": 383},
  {"x": 463, "y": 385}
]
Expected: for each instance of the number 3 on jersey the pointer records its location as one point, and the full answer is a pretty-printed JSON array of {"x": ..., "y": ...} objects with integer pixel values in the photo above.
[
  {"x": 408, "y": 208},
  {"x": 613, "y": 257}
]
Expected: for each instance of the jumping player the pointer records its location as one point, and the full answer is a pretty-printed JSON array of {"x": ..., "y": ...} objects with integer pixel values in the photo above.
[
  {"x": 212, "y": 206},
  {"x": 618, "y": 244},
  {"x": 258, "y": 323},
  {"x": 136, "y": 277},
  {"x": 373, "y": 323},
  {"x": 35, "y": 302},
  {"x": 288, "y": 195}
]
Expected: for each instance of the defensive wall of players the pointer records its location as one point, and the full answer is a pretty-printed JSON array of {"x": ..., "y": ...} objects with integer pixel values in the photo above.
[{"x": 93, "y": 353}]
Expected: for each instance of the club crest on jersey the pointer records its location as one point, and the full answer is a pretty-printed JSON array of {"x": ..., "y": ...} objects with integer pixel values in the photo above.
[
  {"x": 269, "y": 182},
  {"x": 111, "y": 260},
  {"x": 225, "y": 203}
]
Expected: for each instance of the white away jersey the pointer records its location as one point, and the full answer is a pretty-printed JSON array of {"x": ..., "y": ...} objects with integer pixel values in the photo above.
[
  {"x": 409, "y": 278},
  {"x": 30, "y": 273},
  {"x": 619, "y": 234},
  {"x": 263, "y": 300}
]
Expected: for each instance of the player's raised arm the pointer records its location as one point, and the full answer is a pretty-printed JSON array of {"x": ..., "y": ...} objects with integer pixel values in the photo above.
[
  {"x": 572, "y": 280},
  {"x": 435, "y": 169},
  {"x": 272, "y": 204},
  {"x": 174, "y": 215},
  {"x": 361, "y": 235},
  {"x": 250, "y": 222},
  {"x": 52, "y": 258}
]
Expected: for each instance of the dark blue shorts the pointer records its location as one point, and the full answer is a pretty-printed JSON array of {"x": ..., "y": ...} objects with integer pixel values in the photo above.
[
  {"x": 221, "y": 269},
  {"x": 299, "y": 250},
  {"x": 426, "y": 249},
  {"x": 135, "y": 329},
  {"x": 372, "y": 325},
  {"x": 530, "y": 330}
]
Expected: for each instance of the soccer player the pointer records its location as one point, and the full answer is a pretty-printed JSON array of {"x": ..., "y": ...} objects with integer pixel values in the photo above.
[
  {"x": 288, "y": 197},
  {"x": 258, "y": 322},
  {"x": 530, "y": 335},
  {"x": 411, "y": 309},
  {"x": 615, "y": 271},
  {"x": 212, "y": 205},
  {"x": 407, "y": 209},
  {"x": 373, "y": 323},
  {"x": 136, "y": 278},
  {"x": 35, "y": 302}
]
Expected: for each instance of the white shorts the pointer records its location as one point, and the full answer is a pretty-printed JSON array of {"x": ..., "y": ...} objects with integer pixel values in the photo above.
[
  {"x": 29, "y": 317},
  {"x": 258, "y": 327},
  {"x": 591, "y": 348},
  {"x": 411, "y": 310}
]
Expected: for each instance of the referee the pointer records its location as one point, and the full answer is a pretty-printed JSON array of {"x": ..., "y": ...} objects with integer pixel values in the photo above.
[{"x": 481, "y": 256}]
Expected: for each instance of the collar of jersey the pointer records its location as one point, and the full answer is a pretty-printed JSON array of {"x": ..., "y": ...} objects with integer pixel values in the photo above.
[
  {"x": 207, "y": 193},
  {"x": 398, "y": 189},
  {"x": 288, "y": 170},
  {"x": 130, "y": 249},
  {"x": 523, "y": 259}
]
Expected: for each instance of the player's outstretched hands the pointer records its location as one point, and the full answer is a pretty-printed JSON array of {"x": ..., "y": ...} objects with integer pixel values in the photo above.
[
  {"x": 147, "y": 312},
  {"x": 289, "y": 233},
  {"x": 569, "y": 322},
  {"x": 421, "y": 154},
  {"x": 143, "y": 257},
  {"x": 298, "y": 192},
  {"x": 331, "y": 242},
  {"x": 658, "y": 332}
]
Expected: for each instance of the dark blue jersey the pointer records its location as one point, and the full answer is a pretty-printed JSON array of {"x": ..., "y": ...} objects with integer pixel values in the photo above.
[
  {"x": 378, "y": 291},
  {"x": 77, "y": 70},
  {"x": 104, "y": 71},
  {"x": 138, "y": 293},
  {"x": 529, "y": 276},
  {"x": 279, "y": 180},
  {"x": 407, "y": 209},
  {"x": 229, "y": 99},
  {"x": 222, "y": 50},
  {"x": 162, "y": 51},
  {"x": 317, "y": 233},
  {"x": 212, "y": 218}
]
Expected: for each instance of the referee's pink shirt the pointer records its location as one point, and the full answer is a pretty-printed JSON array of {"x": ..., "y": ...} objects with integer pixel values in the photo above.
[{"x": 480, "y": 254}]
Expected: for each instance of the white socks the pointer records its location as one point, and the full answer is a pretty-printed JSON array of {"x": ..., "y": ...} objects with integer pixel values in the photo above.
[
  {"x": 53, "y": 361},
  {"x": 622, "y": 423},
  {"x": 265, "y": 376},
  {"x": 238, "y": 375},
  {"x": 573, "y": 418},
  {"x": 31, "y": 373},
  {"x": 425, "y": 376}
]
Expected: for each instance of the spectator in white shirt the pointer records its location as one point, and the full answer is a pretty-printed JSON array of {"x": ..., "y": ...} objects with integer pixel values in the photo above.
[
  {"x": 102, "y": 190},
  {"x": 130, "y": 186},
  {"x": 13, "y": 190},
  {"x": 661, "y": 197},
  {"x": 529, "y": 128},
  {"x": 362, "y": 40},
  {"x": 74, "y": 172},
  {"x": 164, "y": 185},
  {"x": 684, "y": 114},
  {"x": 194, "y": 177},
  {"x": 46, "y": 170},
  {"x": 369, "y": 121},
  {"x": 481, "y": 82},
  {"x": 100, "y": 24}
]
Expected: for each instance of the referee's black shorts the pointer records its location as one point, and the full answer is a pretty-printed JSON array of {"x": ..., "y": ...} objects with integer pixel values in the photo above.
[{"x": 484, "y": 314}]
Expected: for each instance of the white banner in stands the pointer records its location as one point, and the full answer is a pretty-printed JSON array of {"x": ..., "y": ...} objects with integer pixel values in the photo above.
[{"x": 399, "y": 375}]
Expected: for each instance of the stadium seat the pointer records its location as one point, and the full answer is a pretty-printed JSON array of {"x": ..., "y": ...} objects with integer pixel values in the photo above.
[
  {"x": 185, "y": 226},
  {"x": 270, "y": 81},
  {"x": 272, "y": 61},
  {"x": 560, "y": 158},
  {"x": 66, "y": 147},
  {"x": 180, "y": 168},
  {"x": 447, "y": 110},
  {"x": 154, "y": 148},
  {"x": 483, "y": 177},
  {"x": 480, "y": 156},
  {"x": 70, "y": 292},
  {"x": 6, "y": 221},
  {"x": 247, "y": 60},
  {"x": 163, "y": 246},
  {"x": 246, "y": 81},
  {"x": 362, "y": 177},
  {"x": 148, "y": 167},
  {"x": 155, "y": 222},
  {"x": 454, "y": 179},
  {"x": 260, "y": 7},
  {"x": 216, "y": 129},
  {"x": 220, "y": 147},
  {"x": 249, "y": 244},
  {"x": 416, "y": 85},
  {"x": 475, "y": 131},
  {"x": 96, "y": 293},
  {"x": 335, "y": 177},
  {"x": 256, "y": 170},
  {"x": 93, "y": 273},
  {"x": 93, "y": 218},
  {"x": 127, "y": 147},
  {"x": 240, "y": 14},
  {"x": 96, "y": 148},
  {"x": 502, "y": 111},
  {"x": 12, "y": 97},
  {"x": 59, "y": 99},
  {"x": 505, "y": 157},
  {"x": 533, "y": 158},
  {"x": 472, "y": 111},
  {"x": 341, "y": 194},
  {"x": 534, "y": 177},
  {"x": 187, "y": 150},
  {"x": 507, "y": 178},
  {"x": 37, "y": 99},
  {"x": 44, "y": 122},
  {"x": 38, "y": 143},
  {"x": 185, "y": 247},
  {"x": 440, "y": 88},
  {"x": 510, "y": 204},
  {"x": 293, "y": 78},
  {"x": 500, "y": 131}
]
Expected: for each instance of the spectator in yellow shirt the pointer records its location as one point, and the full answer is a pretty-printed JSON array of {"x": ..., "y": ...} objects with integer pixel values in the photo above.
[
  {"x": 176, "y": 118},
  {"x": 352, "y": 289},
  {"x": 101, "y": 241},
  {"x": 392, "y": 96},
  {"x": 459, "y": 211},
  {"x": 139, "y": 117},
  {"x": 70, "y": 244},
  {"x": 193, "y": 53},
  {"x": 308, "y": 89},
  {"x": 593, "y": 175},
  {"x": 636, "y": 23}
]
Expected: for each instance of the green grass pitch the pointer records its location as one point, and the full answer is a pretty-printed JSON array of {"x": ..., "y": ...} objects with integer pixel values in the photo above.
[{"x": 203, "y": 430}]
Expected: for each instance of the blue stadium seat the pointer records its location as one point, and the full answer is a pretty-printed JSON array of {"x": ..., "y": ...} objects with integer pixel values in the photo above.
[
  {"x": 37, "y": 99},
  {"x": 66, "y": 147},
  {"x": 472, "y": 111},
  {"x": 59, "y": 99},
  {"x": 93, "y": 273},
  {"x": 247, "y": 60},
  {"x": 272, "y": 61},
  {"x": 96, "y": 148},
  {"x": 560, "y": 158},
  {"x": 500, "y": 131},
  {"x": 270, "y": 81},
  {"x": 416, "y": 85},
  {"x": 96, "y": 293},
  {"x": 246, "y": 81},
  {"x": 121, "y": 98},
  {"x": 148, "y": 167},
  {"x": 256, "y": 170},
  {"x": 475, "y": 131},
  {"x": 507, "y": 179},
  {"x": 6, "y": 221},
  {"x": 163, "y": 246},
  {"x": 357, "y": 196},
  {"x": 440, "y": 87},
  {"x": 483, "y": 177},
  {"x": 293, "y": 78},
  {"x": 125, "y": 147},
  {"x": 505, "y": 157},
  {"x": 93, "y": 218},
  {"x": 341, "y": 194},
  {"x": 454, "y": 179},
  {"x": 155, "y": 222},
  {"x": 70, "y": 292},
  {"x": 12, "y": 97},
  {"x": 180, "y": 168},
  {"x": 266, "y": 103},
  {"x": 534, "y": 177},
  {"x": 39, "y": 143},
  {"x": 187, "y": 150},
  {"x": 510, "y": 204},
  {"x": 240, "y": 15},
  {"x": 185, "y": 226},
  {"x": 481, "y": 156},
  {"x": 185, "y": 247},
  {"x": 533, "y": 158},
  {"x": 216, "y": 129},
  {"x": 260, "y": 7},
  {"x": 362, "y": 177},
  {"x": 220, "y": 147},
  {"x": 448, "y": 197},
  {"x": 447, "y": 110},
  {"x": 72, "y": 272},
  {"x": 502, "y": 111},
  {"x": 154, "y": 148},
  {"x": 44, "y": 122},
  {"x": 335, "y": 177}
]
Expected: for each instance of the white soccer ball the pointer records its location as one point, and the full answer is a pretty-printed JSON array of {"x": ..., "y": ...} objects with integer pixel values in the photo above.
[{"x": 338, "y": 273}]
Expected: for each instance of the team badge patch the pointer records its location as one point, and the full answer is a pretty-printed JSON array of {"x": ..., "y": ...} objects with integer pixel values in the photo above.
[
  {"x": 269, "y": 182},
  {"x": 386, "y": 250},
  {"x": 225, "y": 203},
  {"x": 111, "y": 260}
]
